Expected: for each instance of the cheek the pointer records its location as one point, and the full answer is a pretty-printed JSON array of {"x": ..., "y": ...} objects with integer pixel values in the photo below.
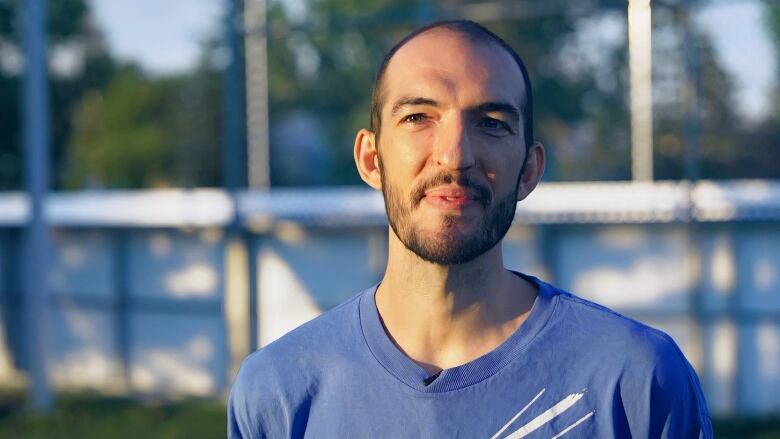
[
  {"x": 502, "y": 169},
  {"x": 410, "y": 152}
]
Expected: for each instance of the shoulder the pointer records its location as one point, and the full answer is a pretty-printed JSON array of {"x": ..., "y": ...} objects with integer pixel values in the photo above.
[
  {"x": 331, "y": 331},
  {"x": 609, "y": 329},
  {"x": 274, "y": 384},
  {"x": 658, "y": 386}
]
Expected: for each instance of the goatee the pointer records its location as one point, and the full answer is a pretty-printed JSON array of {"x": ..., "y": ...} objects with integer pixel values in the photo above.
[{"x": 448, "y": 247}]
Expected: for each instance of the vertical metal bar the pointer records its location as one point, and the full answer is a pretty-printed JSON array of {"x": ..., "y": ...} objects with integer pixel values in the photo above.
[
  {"x": 640, "y": 72},
  {"x": 122, "y": 309},
  {"x": 256, "y": 49},
  {"x": 701, "y": 319},
  {"x": 36, "y": 240},
  {"x": 737, "y": 309},
  {"x": 548, "y": 245},
  {"x": 254, "y": 307},
  {"x": 234, "y": 130},
  {"x": 691, "y": 95},
  {"x": 705, "y": 324},
  {"x": 236, "y": 167},
  {"x": 235, "y": 283}
]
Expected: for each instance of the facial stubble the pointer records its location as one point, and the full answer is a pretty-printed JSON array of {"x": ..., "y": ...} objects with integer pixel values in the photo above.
[{"x": 447, "y": 247}]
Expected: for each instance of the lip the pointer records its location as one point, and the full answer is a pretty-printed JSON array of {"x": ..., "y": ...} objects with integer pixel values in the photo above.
[
  {"x": 451, "y": 198},
  {"x": 452, "y": 192}
]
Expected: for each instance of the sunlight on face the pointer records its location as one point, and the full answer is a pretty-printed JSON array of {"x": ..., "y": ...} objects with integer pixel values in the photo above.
[{"x": 451, "y": 147}]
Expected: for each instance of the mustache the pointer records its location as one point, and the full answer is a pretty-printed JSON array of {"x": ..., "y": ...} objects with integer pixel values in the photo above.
[{"x": 484, "y": 196}]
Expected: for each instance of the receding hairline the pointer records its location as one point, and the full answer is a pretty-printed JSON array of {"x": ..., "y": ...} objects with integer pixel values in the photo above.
[
  {"x": 474, "y": 33},
  {"x": 471, "y": 37}
]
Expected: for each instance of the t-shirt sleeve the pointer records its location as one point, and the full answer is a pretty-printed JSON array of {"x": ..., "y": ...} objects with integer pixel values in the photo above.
[
  {"x": 241, "y": 422},
  {"x": 677, "y": 408},
  {"x": 263, "y": 402},
  {"x": 245, "y": 412}
]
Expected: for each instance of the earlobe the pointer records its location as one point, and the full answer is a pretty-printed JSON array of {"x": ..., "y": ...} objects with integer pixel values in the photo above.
[
  {"x": 367, "y": 158},
  {"x": 533, "y": 172}
]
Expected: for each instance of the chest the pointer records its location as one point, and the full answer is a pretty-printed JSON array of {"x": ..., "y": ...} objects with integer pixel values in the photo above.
[{"x": 510, "y": 406}]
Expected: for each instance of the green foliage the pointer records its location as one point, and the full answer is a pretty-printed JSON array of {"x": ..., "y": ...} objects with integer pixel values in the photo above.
[
  {"x": 581, "y": 112},
  {"x": 116, "y": 126},
  {"x": 772, "y": 17},
  {"x": 192, "y": 118},
  {"x": 349, "y": 41},
  {"x": 85, "y": 417},
  {"x": 10, "y": 161},
  {"x": 772, "y": 22},
  {"x": 65, "y": 18},
  {"x": 579, "y": 121},
  {"x": 346, "y": 41},
  {"x": 66, "y": 24},
  {"x": 147, "y": 132},
  {"x": 117, "y": 138},
  {"x": 747, "y": 428},
  {"x": 6, "y": 18}
]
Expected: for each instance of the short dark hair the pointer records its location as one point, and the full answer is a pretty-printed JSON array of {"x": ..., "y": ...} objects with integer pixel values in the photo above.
[{"x": 476, "y": 32}]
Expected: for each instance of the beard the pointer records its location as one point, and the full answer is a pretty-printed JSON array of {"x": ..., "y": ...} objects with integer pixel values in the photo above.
[{"x": 448, "y": 248}]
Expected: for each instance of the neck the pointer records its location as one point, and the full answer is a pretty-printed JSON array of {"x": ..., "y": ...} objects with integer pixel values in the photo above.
[{"x": 443, "y": 316}]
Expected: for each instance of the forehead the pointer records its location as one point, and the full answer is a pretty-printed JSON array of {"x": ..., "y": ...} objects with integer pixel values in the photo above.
[{"x": 453, "y": 66}]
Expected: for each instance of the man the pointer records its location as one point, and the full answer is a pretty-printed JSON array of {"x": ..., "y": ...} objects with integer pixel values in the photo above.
[{"x": 450, "y": 343}]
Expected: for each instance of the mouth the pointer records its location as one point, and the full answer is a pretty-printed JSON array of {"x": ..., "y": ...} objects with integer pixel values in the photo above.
[
  {"x": 452, "y": 192},
  {"x": 452, "y": 197}
]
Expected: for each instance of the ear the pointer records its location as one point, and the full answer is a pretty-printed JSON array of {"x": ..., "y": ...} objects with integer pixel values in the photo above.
[
  {"x": 367, "y": 158},
  {"x": 532, "y": 174}
]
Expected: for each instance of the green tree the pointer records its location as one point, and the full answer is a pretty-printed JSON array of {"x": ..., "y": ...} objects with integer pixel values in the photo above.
[
  {"x": 144, "y": 131},
  {"x": 112, "y": 125},
  {"x": 68, "y": 27},
  {"x": 772, "y": 22},
  {"x": 731, "y": 146},
  {"x": 323, "y": 63},
  {"x": 581, "y": 112},
  {"x": 118, "y": 139}
]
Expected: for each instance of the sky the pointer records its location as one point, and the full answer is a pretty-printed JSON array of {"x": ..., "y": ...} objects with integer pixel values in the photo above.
[
  {"x": 745, "y": 49},
  {"x": 164, "y": 35}
]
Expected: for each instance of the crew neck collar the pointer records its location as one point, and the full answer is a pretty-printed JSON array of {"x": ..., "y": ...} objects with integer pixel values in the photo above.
[{"x": 413, "y": 375}]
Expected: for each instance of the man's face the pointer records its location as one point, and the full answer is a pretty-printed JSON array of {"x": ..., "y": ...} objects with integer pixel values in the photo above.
[{"x": 451, "y": 146}]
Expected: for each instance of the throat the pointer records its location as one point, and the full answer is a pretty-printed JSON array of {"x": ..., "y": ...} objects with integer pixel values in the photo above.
[{"x": 444, "y": 331}]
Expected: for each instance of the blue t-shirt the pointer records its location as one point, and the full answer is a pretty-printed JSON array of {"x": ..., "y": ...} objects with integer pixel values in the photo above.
[{"x": 573, "y": 369}]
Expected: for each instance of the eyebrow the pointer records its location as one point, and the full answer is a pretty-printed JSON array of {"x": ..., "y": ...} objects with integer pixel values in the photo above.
[
  {"x": 412, "y": 101},
  {"x": 499, "y": 107},
  {"x": 487, "y": 107}
]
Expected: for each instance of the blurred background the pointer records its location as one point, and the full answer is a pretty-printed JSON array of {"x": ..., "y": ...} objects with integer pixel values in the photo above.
[{"x": 177, "y": 189}]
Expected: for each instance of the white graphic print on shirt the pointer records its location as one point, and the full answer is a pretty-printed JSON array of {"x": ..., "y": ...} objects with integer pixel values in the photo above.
[{"x": 544, "y": 417}]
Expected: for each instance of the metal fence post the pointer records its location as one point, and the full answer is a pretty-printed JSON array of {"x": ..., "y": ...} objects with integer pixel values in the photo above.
[
  {"x": 640, "y": 72},
  {"x": 35, "y": 107},
  {"x": 256, "y": 88},
  {"x": 122, "y": 307},
  {"x": 254, "y": 290},
  {"x": 234, "y": 167}
]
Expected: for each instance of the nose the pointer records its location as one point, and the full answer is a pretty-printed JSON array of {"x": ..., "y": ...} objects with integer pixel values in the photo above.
[{"x": 453, "y": 149}]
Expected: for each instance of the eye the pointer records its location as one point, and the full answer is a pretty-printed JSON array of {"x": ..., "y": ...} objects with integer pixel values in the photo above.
[
  {"x": 415, "y": 118},
  {"x": 494, "y": 125}
]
